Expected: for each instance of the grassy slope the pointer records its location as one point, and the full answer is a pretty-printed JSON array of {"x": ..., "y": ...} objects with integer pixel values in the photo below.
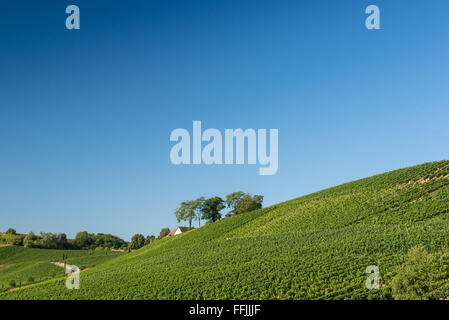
[
  {"x": 312, "y": 247},
  {"x": 19, "y": 263}
]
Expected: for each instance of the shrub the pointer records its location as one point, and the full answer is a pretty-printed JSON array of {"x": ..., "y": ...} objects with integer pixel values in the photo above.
[{"x": 414, "y": 278}]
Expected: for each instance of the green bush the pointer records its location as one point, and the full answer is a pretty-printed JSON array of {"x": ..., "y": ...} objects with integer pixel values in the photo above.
[{"x": 414, "y": 279}]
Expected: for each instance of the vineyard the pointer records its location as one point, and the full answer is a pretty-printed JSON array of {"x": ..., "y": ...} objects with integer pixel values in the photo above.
[
  {"x": 21, "y": 266},
  {"x": 313, "y": 247}
]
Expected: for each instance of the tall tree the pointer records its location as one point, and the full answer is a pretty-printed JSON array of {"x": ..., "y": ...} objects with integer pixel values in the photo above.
[
  {"x": 248, "y": 203},
  {"x": 232, "y": 199},
  {"x": 149, "y": 239},
  {"x": 61, "y": 240},
  {"x": 197, "y": 204},
  {"x": 186, "y": 212},
  {"x": 11, "y": 231},
  {"x": 137, "y": 241},
  {"x": 211, "y": 209},
  {"x": 49, "y": 240},
  {"x": 163, "y": 233},
  {"x": 29, "y": 239},
  {"x": 83, "y": 240},
  {"x": 258, "y": 199}
]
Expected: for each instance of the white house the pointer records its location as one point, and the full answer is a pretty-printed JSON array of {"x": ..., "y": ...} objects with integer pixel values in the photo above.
[{"x": 177, "y": 230}]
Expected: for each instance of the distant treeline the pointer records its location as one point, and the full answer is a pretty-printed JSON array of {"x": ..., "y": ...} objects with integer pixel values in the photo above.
[
  {"x": 48, "y": 240},
  {"x": 201, "y": 209}
]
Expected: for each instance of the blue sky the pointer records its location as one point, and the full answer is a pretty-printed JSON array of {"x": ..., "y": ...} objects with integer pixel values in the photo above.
[{"x": 86, "y": 115}]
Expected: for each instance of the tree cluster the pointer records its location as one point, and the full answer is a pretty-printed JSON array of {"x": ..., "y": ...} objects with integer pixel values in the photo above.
[
  {"x": 85, "y": 240},
  {"x": 210, "y": 209},
  {"x": 49, "y": 240},
  {"x": 139, "y": 240}
]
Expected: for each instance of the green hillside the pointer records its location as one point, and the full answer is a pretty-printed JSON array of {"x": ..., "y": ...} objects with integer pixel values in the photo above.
[
  {"x": 313, "y": 247},
  {"x": 25, "y": 266}
]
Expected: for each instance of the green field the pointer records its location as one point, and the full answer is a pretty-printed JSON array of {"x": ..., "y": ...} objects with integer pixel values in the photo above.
[
  {"x": 313, "y": 247},
  {"x": 26, "y": 265}
]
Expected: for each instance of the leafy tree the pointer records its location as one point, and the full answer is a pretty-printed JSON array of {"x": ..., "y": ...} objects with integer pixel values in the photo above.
[
  {"x": 231, "y": 201},
  {"x": 107, "y": 241},
  {"x": 29, "y": 240},
  {"x": 150, "y": 239},
  {"x": 414, "y": 279},
  {"x": 83, "y": 240},
  {"x": 190, "y": 210},
  {"x": 11, "y": 231},
  {"x": 186, "y": 212},
  {"x": 48, "y": 240},
  {"x": 248, "y": 203},
  {"x": 196, "y": 206},
  {"x": 211, "y": 209},
  {"x": 163, "y": 233},
  {"x": 17, "y": 239},
  {"x": 258, "y": 199},
  {"x": 137, "y": 241},
  {"x": 12, "y": 237},
  {"x": 61, "y": 241}
]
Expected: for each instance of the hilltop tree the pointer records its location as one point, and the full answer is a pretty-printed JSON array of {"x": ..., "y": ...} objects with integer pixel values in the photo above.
[
  {"x": 150, "y": 239},
  {"x": 186, "y": 212},
  {"x": 248, "y": 203},
  {"x": 163, "y": 233},
  {"x": 137, "y": 241},
  {"x": 211, "y": 209},
  {"x": 232, "y": 199},
  {"x": 196, "y": 206},
  {"x": 190, "y": 210}
]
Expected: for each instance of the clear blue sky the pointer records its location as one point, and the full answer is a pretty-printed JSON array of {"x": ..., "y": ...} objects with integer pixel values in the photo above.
[{"x": 85, "y": 115}]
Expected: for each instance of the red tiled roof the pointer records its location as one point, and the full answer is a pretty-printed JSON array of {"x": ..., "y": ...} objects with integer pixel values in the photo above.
[{"x": 183, "y": 229}]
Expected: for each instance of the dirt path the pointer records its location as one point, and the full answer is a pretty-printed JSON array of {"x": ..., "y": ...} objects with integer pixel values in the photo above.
[
  {"x": 61, "y": 264},
  {"x": 17, "y": 288}
]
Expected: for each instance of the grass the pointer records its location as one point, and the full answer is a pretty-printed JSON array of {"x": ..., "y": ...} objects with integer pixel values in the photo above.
[{"x": 25, "y": 266}]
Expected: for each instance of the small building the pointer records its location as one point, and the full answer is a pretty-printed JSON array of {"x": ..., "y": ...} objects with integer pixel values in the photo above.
[{"x": 178, "y": 230}]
